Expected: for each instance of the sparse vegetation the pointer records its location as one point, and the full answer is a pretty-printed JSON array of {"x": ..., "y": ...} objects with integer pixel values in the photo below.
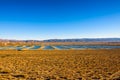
[
  {"x": 60, "y": 65},
  {"x": 20, "y": 43}
]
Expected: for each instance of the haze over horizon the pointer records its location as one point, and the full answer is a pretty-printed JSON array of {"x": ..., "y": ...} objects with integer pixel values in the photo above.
[{"x": 59, "y": 19}]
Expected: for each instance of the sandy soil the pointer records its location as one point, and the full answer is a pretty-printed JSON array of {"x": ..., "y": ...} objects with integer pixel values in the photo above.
[{"x": 60, "y": 65}]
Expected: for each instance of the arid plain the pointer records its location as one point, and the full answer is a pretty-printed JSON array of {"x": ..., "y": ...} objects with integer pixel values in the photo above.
[{"x": 60, "y": 64}]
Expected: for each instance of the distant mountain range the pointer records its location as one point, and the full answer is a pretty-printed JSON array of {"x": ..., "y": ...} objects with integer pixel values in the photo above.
[
  {"x": 85, "y": 40},
  {"x": 68, "y": 40}
]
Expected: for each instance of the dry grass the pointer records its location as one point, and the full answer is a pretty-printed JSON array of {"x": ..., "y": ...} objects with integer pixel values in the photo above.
[
  {"x": 60, "y": 65},
  {"x": 57, "y": 43}
]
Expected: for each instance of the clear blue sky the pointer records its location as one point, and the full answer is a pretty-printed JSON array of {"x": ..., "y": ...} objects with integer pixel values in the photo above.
[{"x": 46, "y": 19}]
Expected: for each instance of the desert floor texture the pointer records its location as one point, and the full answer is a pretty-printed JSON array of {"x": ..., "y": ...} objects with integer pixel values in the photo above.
[{"x": 60, "y": 65}]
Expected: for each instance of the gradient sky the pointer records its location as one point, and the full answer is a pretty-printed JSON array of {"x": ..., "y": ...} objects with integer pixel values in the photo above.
[{"x": 50, "y": 19}]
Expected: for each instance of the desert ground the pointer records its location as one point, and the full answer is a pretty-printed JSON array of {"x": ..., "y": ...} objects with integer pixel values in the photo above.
[
  {"x": 60, "y": 64},
  {"x": 57, "y": 43}
]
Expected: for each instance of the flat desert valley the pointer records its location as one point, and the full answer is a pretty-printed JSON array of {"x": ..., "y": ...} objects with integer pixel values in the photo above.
[
  {"x": 59, "y": 39},
  {"x": 101, "y": 64}
]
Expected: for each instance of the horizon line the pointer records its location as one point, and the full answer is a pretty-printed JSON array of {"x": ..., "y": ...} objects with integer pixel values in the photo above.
[{"x": 60, "y": 38}]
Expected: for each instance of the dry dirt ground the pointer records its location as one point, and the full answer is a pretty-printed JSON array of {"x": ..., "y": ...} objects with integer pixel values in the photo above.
[{"x": 60, "y": 65}]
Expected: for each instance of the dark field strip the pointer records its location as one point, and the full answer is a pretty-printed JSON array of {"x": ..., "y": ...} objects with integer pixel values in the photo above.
[
  {"x": 58, "y": 47},
  {"x": 60, "y": 64}
]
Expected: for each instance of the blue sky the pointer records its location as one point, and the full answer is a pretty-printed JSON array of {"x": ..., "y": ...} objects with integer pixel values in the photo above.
[{"x": 50, "y": 19}]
